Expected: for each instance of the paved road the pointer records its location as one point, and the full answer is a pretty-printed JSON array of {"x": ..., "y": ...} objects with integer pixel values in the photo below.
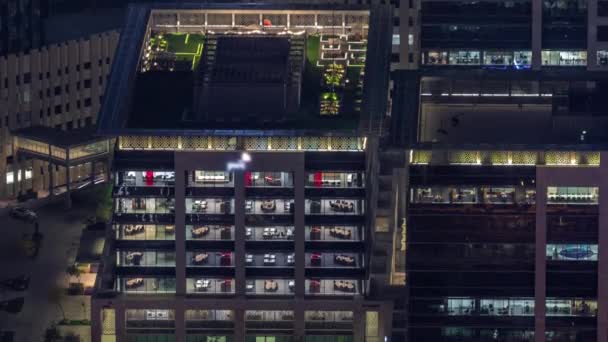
[{"x": 61, "y": 229}]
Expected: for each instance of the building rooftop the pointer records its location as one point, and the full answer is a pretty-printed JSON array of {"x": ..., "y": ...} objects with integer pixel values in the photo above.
[
  {"x": 247, "y": 68},
  {"x": 58, "y": 137}
]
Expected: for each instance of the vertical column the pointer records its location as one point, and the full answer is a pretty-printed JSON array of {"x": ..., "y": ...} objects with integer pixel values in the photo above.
[
  {"x": 239, "y": 232},
  {"x": 15, "y": 166},
  {"x": 93, "y": 172},
  {"x": 68, "y": 188},
  {"x": 21, "y": 178},
  {"x": 180, "y": 319},
  {"x": 540, "y": 276},
  {"x": 592, "y": 45},
  {"x": 537, "y": 34},
  {"x": 121, "y": 334},
  {"x": 180, "y": 230},
  {"x": 299, "y": 229},
  {"x": 239, "y": 325},
  {"x": 51, "y": 180},
  {"x": 602, "y": 295},
  {"x": 299, "y": 325},
  {"x": 358, "y": 324},
  {"x": 96, "y": 317}
]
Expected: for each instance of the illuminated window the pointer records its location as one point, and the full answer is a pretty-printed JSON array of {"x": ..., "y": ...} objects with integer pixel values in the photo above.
[{"x": 10, "y": 177}]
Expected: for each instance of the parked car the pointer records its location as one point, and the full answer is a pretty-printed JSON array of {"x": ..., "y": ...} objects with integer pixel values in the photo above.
[{"x": 24, "y": 214}]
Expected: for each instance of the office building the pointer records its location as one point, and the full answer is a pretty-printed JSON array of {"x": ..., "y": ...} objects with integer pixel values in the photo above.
[
  {"x": 21, "y": 26},
  {"x": 244, "y": 176},
  {"x": 58, "y": 87},
  {"x": 499, "y": 123}
]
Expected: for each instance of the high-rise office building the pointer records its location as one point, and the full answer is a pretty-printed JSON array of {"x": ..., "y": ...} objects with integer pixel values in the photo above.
[
  {"x": 20, "y": 26},
  {"x": 498, "y": 119},
  {"x": 244, "y": 176}
]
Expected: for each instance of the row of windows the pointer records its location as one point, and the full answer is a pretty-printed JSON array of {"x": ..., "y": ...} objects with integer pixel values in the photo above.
[
  {"x": 469, "y": 306},
  {"x": 26, "y": 78},
  {"x": 225, "y": 286},
  {"x": 211, "y": 232}
]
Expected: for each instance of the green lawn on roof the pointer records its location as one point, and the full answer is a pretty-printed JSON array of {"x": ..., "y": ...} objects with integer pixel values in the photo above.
[
  {"x": 312, "y": 49},
  {"x": 185, "y": 46}
]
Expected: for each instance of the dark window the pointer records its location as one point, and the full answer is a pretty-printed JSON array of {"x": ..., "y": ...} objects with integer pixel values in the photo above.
[
  {"x": 396, "y": 21},
  {"x": 27, "y": 78},
  {"x": 67, "y": 70},
  {"x": 602, "y": 8},
  {"x": 78, "y": 85},
  {"x": 39, "y": 76},
  {"x": 77, "y": 67},
  {"x": 100, "y": 62},
  {"x": 88, "y": 121},
  {"x": 67, "y": 88},
  {"x": 410, "y": 21},
  {"x": 394, "y": 58},
  {"x": 58, "y": 72},
  {"x": 100, "y": 99},
  {"x": 6, "y": 121},
  {"x": 108, "y": 60},
  {"x": 58, "y": 109},
  {"x": 57, "y": 127},
  {"x": 100, "y": 80},
  {"x": 48, "y": 75},
  {"x": 40, "y": 94},
  {"x": 410, "y": 57},
  {"x": 5, "y": 82},
  {"x": 67, "y": 107},
  {"x": 18, "y": 118},
  {"x": 87, "y": 66},
  {"x": 87, "y": 102},
  {"x": 18, "y": 80},
  {"x": 48, "y": 111},
  {"x": 602, "y": 33},
  {"x": 48, "y": 92},
  {"x": 41, "y": 113},
  {"x": 87, "y": 84},
  {"x": 77, "y": 104},
  {"x": 70, "y": 125},
  {"x": 57, "y": 90}
]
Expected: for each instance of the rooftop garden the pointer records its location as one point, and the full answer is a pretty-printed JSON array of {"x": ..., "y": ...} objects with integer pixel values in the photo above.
[
  {"x": 332, "y": 82},
  {"x": 173, "y": 51}
]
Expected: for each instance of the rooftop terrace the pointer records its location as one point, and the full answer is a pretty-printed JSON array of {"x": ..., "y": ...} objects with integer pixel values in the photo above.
[{"x": 239, "y": 69}]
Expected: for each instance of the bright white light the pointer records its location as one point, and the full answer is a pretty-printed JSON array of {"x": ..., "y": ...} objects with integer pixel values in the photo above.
[{"x": 245, "y": 157}]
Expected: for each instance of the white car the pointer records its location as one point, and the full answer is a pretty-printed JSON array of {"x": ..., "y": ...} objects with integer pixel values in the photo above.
[{"x": 24, "y": 214}]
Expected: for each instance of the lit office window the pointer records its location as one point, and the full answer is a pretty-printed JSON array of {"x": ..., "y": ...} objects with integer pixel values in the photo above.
[
  {"x": 396, "y": 39},
  {"x": 28, "y": 173},
  {"x": 572, "y": 252},
  {"x": 10, "y": 177},
  {"x": 564, "y": 58},
  {"x": 602, "y": 57}
]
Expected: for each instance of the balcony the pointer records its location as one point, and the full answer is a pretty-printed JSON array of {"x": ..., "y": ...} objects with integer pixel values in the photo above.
[
  {"x": 269, "y": 207},
  {"x": 210, "y": 286},
  {"x": 145, "y": 259},
  {"x": 332, "y": 287},
  {"x": 210, "y": 232},
  {"x": 145, "y": 285},
  {"x": 333, "y": 260},
  {"x": 270, "y": 287},
  {"x": 209, "y": 259},
  {"x": 333, "y": 233},
  {"x": 328, "y": 320},
  {"x": 271, "y": 259},
  {"x": 143, "y": 232},
  {"x": 269, "y": 233},
  {"x": 334, "y": 207}
]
